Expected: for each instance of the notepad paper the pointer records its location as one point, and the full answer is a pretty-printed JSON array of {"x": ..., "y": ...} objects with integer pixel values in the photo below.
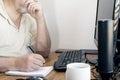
[{"x": 43, "y": 71}]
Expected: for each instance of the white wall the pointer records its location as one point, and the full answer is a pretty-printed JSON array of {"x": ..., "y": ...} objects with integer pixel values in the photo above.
[{"x": 71, "y": 23}]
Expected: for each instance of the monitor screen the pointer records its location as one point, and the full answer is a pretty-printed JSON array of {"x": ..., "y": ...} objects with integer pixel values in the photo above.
[{"x": 106, "y": 9}]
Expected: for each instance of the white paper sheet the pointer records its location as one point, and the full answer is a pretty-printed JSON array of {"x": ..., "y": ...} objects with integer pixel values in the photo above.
[{"x": 43, "y": 71}]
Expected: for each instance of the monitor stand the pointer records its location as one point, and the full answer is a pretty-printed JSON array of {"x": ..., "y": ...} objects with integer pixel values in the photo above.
[{"x": 103, "y": 76}]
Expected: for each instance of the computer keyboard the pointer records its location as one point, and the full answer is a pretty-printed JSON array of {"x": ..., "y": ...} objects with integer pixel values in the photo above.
[{"x": 69, "y": 57}]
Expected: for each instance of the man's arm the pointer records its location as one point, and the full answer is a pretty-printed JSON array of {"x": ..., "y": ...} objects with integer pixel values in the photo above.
[
  {"x": 28, "y": 62},
  {"x": 7, "y": 64},
  {"x": 43, "y": 43}
]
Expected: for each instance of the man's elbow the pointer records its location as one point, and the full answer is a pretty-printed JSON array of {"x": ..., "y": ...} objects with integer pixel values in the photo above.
[{"x": 45, "y": 53}]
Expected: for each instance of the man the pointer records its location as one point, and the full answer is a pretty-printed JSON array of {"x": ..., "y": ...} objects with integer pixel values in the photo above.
[{"x": 21, "y": 25}]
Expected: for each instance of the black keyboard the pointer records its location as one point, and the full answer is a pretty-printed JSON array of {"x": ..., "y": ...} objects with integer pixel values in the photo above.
[{"x": 69, "y": 57}]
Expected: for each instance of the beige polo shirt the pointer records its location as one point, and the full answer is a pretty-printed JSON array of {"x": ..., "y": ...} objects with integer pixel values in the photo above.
[{"x": 14, "y": 41}]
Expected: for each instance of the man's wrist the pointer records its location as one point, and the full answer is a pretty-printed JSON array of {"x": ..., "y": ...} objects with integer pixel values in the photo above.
[
  {"x": 12, "y": 64},
  {"x": 39, "y": 18}
]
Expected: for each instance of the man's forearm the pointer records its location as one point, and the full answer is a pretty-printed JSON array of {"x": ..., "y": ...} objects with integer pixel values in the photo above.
[
  {"x": 43, "y": 42},
  {"x": 7, "y": 64}
]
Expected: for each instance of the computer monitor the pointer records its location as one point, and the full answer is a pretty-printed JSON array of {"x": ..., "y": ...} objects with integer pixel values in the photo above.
[{"x": 107, "y": 9}]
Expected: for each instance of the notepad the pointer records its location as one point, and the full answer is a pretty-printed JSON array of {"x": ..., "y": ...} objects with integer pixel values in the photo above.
[{"x": 42, "y": 71}]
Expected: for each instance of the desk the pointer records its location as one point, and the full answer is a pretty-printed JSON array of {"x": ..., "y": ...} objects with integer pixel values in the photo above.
[{"x": 49, "y": 62}]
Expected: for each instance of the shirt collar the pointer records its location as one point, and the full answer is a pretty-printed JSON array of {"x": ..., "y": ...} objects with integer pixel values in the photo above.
[
  {"x": 4, "y": 14},
  {"x": 3, "y": 11}
]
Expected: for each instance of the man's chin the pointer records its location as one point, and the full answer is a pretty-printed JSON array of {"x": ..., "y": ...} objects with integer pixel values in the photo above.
[{"x": 22, "y": 10}]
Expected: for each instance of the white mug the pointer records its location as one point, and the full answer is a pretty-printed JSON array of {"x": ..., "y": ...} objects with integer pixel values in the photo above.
[{"x": 78, "y": 71}]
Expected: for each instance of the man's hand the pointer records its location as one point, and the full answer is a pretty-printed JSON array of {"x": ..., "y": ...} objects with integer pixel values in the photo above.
[
  {"x": 34, "y": 8},
  {"x": 29, "y": 62}
]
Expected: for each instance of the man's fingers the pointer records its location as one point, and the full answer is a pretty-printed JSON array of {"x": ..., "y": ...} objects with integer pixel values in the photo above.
[
  {"x": 27, "y": 3},
  {"x": 39, "y": 57},
  {"x": 35, "y": 67},
  {"x": 32, "y": 8},
  {"x": 38, "y": 62}
]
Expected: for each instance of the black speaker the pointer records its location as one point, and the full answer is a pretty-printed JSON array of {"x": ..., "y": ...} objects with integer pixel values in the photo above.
[{"x": 105, "y": 48}]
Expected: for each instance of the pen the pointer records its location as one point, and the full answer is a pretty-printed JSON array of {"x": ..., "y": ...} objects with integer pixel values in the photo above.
[{"x": 31, "y": 49}]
